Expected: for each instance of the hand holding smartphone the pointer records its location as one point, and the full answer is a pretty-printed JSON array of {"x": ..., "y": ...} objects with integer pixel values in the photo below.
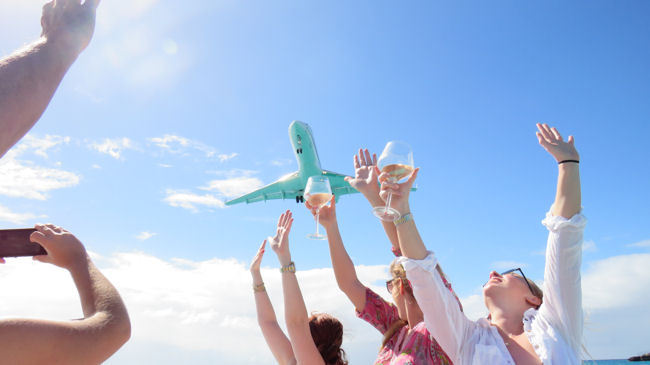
[{"x": 15, "y": 243}]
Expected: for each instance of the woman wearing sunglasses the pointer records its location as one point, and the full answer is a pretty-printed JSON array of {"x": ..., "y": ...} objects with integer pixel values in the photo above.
[
  {"x": 521, "y": 328},
  {"x": 406, "y": 339}
]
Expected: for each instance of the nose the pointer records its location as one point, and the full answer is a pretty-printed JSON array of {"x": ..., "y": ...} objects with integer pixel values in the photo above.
[{"x": 494, "y": 274}]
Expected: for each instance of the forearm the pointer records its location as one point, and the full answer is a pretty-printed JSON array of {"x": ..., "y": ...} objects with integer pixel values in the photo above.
[
  {"x": 295, "y": 311},
  {"x": 344, "y": 271},
  {"x": 568, "y": 196},
  {"x": 265, "y": 312},
  {"x": 28, "y": 79},
  {"x": 409, "y": 238},
  {"x": 101, "y": 302},
  {"x": 343, "y": 266}
]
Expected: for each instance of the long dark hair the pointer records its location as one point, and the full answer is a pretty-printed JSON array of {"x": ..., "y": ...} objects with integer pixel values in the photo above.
[{"x": 327, "y": 333}]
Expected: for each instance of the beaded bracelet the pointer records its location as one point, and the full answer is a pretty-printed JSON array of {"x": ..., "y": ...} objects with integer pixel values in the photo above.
[
  {"x": 403, "y": 219},
  {"x": 289, "y": 268},
  {"x": 259, "y": 287}
]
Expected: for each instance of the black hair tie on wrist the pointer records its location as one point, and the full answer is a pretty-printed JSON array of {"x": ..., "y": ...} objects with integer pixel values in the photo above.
[{"x": 565, "y": 161}]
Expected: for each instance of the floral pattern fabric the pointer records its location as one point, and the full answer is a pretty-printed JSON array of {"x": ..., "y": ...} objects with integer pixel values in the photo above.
[{"x": 413, "y": 346}]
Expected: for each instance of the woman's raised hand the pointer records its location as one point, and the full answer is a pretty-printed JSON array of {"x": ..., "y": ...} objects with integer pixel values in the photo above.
[
  {"x": 257, "y": 260},
  {"x": 327, "y": 213},
  {"x": 400, "y": 197},
  {"x": 280, "y": 242},
  {"x": 365, "y": 175},
  {"x": 554, "y": 144}
]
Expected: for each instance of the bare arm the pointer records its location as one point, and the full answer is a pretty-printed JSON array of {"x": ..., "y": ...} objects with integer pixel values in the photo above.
[
  {"x": 568, "y": 197},
  {"x": 29, "y": 77},
  {"x": 91, "y": 340},
  {"x": 365, "y": 180},
  {"x": 275, "y": 338},
  {"x": 295, "y": 311},
  {"x": 344, "y": 271}
]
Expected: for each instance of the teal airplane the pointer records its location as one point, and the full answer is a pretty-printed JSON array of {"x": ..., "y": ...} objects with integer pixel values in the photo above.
[{"x": 292, "y": 186}]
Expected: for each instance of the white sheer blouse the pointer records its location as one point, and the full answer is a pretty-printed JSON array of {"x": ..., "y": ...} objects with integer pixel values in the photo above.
[{"x": 554, "y": 330}]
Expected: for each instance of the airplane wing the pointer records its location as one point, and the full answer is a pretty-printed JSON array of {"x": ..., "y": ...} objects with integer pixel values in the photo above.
[
  {"x": 342, "y": 187},
  {"x": 338, "y": 184},
  {"x": 287, "y": 187}
]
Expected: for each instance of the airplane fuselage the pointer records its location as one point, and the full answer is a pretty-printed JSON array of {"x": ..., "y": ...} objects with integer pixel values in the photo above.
[{"x": 305, "y": 150}]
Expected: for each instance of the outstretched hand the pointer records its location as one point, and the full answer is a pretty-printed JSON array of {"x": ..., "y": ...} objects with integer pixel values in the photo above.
[
  {"x": 326, "y": 214},
  {"x": 280, "y": 242},
  {"x": 365, "y": 175},
  {"x": 69, "y": 23},
  {"x": 400, "y": 192},
  {"x": 63, "y": 248},
  {"x": 257, "y": 260},
  {"x": 553, "y": 143}
]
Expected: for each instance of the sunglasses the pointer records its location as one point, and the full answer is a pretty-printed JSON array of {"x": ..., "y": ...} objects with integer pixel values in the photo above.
[
  {"x": 522, "y": 276},
  {"x": 389, "y": 285}
]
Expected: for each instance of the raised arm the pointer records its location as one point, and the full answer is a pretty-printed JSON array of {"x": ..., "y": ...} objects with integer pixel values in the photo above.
[
  {"x": 29, "y": 76},
  {"x": 442, "y": 313},
  {"x": 562, "y": 304},
  {"x": 275, "y": 338},
  {"x": 365, "y": 180},
  {"x": 344, "y": 271},
  {"x": 568, "y": 197},
  {"x": 104, "y": 328},
  {"x": 295, "y": 311}
]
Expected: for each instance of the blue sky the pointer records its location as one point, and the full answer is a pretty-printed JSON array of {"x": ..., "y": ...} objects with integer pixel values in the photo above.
[{"x": 174, "y": 109}]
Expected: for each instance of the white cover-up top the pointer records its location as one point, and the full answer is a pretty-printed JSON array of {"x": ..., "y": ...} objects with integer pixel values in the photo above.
[{"x": 554, "y": 330}]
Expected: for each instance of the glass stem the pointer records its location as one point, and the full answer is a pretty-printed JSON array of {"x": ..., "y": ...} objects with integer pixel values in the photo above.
[
  {"x": 317, "y": 216},
  {"x": 390, "y": 196}
]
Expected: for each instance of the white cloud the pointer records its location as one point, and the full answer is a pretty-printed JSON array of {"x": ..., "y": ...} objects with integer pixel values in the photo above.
[
  {"x": 617, "y": 281},
  {"x": 40, "y": 146},
  {"x": 163, "y": 165},
  {"x": 113, "y": 147},
  {"x": 224, "y": 157},
  {"x": 143, "y": 236},
  {"x": 281, "y": 162},
  {"x": 7, "y": 215},
  {"x": 179, "y": 145},
  {"x": 191, "y": 201},
  {"x": 507, "y": 265},
  {"x": 193, "y": 308},
  {"x": 234, "y": 187},
  {"x": 203, "y": 311},
  {"x": 26, "y": 180},
  {"x": 589, "y": 246},
  {"x": 642, "y": 244}
]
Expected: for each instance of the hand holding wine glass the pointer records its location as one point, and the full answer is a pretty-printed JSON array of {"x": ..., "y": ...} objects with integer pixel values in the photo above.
[
  {"x": 318, "y": 192},
  {"x": 395, "y": 163}
]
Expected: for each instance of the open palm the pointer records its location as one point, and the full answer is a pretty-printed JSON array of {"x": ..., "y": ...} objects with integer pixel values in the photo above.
[
  {"x": 554, "y": 144},
  {"x": 280, "y": 242},
  {"x": 365, "y": 174}
]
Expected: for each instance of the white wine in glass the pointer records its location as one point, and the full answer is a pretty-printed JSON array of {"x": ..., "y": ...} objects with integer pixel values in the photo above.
[
  {"x": 397, "y": 161},
  {"x": 318, "y": 193}
]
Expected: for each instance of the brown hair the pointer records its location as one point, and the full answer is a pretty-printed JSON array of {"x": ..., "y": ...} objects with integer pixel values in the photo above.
[{"x": 327, "y": 333}]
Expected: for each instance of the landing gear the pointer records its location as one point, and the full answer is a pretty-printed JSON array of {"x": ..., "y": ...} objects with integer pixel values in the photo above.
[
  {"x": 300, "y": 199},
  {"x": 299, "y": 150}
]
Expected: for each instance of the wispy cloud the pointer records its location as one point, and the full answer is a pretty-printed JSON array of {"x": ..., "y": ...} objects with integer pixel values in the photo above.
[
  {"x": 281, "y": 162},
  {"x": 143, "y": 236},
  {"x": 642, "y": 244},
  {"x": 506, "y": 265},
  {"x": 589, "y": 246},
  {"x": 224, "y": 157},
  {"x": 234, "y": 187},
  {"x": 191, "y": 201},
  {"x": 40, "y": 146},
  {"x": 180, "y": 145},
  {"x": 25, "y": 179},
  {"x": 7, "y": 215},
  {"x": 113, "y": 146}
]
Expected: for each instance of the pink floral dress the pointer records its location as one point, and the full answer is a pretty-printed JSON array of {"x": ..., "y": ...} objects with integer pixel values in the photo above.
[{"x": 405, "y": 347}]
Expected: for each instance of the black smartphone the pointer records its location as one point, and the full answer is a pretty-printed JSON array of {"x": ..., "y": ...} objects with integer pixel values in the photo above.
[{"x": 15, "y": 242}]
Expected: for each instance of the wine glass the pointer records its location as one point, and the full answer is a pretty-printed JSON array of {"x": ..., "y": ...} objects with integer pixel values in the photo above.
[
  {"x": 397, "y": 160},
  {"x": 318, "y": 192}
]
